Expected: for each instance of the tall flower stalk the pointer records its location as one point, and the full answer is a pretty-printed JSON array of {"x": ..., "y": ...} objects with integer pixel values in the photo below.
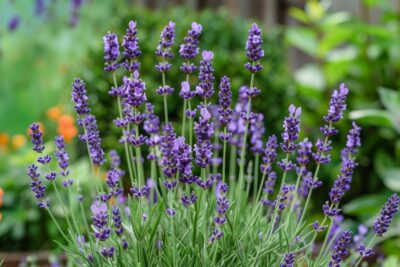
[{"x": 177, "y": 209}]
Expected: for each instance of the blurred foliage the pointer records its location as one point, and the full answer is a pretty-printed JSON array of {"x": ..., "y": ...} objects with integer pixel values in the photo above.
[
  {"x": 43, "y": 55},
  {"x": 366, "y": 56}
]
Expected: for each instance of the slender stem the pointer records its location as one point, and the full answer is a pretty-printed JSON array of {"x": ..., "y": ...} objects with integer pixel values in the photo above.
[
  {"x": 72, "y": 211},
  {"x": 165, "y": 109},
  {"x": 184, "y": 118},
  {"x": 255, "y": 173},
  {"x": 62, "y": 204},
  {"x": 190, "y": 126},
  {"x": 57, "y": 225}
]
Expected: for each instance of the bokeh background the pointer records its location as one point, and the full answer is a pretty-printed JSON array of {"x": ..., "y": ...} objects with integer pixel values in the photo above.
[{"x": 311, "y": 47}]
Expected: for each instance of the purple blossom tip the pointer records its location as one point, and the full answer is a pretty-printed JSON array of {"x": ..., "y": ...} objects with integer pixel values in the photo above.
[{"x": 207, "y": 55}]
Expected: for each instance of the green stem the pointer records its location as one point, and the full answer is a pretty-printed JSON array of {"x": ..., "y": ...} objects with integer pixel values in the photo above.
[{"x": 277, "y": 199}]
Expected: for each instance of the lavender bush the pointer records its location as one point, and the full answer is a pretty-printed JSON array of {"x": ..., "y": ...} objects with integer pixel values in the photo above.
[{"x": 213, "y": 194}]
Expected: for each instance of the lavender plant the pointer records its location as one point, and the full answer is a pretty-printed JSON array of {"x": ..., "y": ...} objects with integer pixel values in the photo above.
[{"x": 182, "y": 208}]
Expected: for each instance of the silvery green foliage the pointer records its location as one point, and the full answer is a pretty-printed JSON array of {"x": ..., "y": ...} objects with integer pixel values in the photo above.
[{"x": 182, "y": 208}]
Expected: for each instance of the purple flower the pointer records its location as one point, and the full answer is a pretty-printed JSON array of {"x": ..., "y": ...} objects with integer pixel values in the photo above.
[
  {"x": 321, "y": 157},
  {"x": 254, "y": 49},
  {"x": 51, "y": 176},
  {"x": 352, "y": 143},
  {"x": 116, "y": 217},
  {"x": 140, "y": 192},
  {"x": 164, "y": 47},
  {"x": 204, "y": 130},
  {"x": 257, "y": 131},
  {"x": 79, "y": 96},
  {"x": 13, "y": 23},
  {"x": 185, "y": 92},
  {"x": 288, "y": 260},
  {"x": 130, "y": 44},
  {"x": 341, "y": 249},
  {"x": 189, "y": 49},
  {"x": 291, "y": 129},
  {"x": 135, "y": 90},
  {"x": 112, "y": 179},
  {"x": 108, "y": 252},
  {"x": 189, "y": 200},
  {"x": 382, "y": 222},
  {"x": 37, "y": 187},
  {"x": 183, "y": 153},
  {"x": 205, "y": 89},
  {"x": 75, "y": 6},
  {"x": 171, "y": 212},
  {"x": 269, "y": 155},
  {"x": 365, "y": 252},
  {"x": 216, "y": 235},
  {"x": 45, "y": 159},
  {"x": 67, "y": 183},
  {"x": 36, "y": 137},
  {"x": 115, "y": 159},
  {"x": 224, "y": 101},
  {"x": 111, "y": 51},
  {"x": 92, "y": 138},
  {"x": 342, "y": 182},
  {"x": 100, "y": 220},
  {"x": 39, "y": 7},
  {"x": 169, "y": 158},
  {"x": 337, "y": 105},
  {"x": 62, "y": 155}
]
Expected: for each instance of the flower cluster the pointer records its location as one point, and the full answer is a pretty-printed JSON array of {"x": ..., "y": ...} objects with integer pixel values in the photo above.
[{"x": 173, "y": 194}]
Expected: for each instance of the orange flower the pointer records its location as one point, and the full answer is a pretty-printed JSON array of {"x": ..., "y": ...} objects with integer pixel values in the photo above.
[
  {"x": 1, "y": 198},
  {"x": 4, "y": 139},
  {"x": 18, "y": 141},
  {"x": 66, "y": 120},
  {"x": 54, "y": 113},
  {"x": 66, "y": 127}
]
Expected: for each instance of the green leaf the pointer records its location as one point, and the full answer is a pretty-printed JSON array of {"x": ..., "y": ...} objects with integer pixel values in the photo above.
[
  {"x": 390, "y": 99},
  {"x": 310, "y": 76},
  {"x": 299, "y": 14},
  {"x": 372, "y": 117},
  {"x": 391, "y": 178},
  {"x": 303, "y": 39},
  {"x": 365, "y": 206}
]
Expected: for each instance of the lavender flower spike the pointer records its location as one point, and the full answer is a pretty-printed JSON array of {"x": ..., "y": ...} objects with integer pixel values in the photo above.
[
  {"x": 224, "y": 101},
  {"x": 164, "y": 47},
  {"x": 205, "y": 89},
  {"x": 61, "y": 155},
  {"x": 92, "y": 138},
  {"x": 254, "y": 49},
  {"x": 291, "y": 129},
  {"x": 288, "y": 260},
  {"x": 79, "y": 96},
  {"x": 111, "y": 51},
  {"x": 131, "y": 48},
  {"x": 341, "y": 249},
  {"x": 337, "y": 105},
  {"x": 36, "y": 137},
  {"x": 100, "y": 220},
  {"x": 37, "y": 187},
  {"x": 204, "y": 131},
  {"x": 381, "y": 223},
  {"x": 189, "y": 49}
]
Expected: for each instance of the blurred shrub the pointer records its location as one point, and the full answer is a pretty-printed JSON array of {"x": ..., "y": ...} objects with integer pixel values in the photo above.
[{"x": 366, "y": 56}]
